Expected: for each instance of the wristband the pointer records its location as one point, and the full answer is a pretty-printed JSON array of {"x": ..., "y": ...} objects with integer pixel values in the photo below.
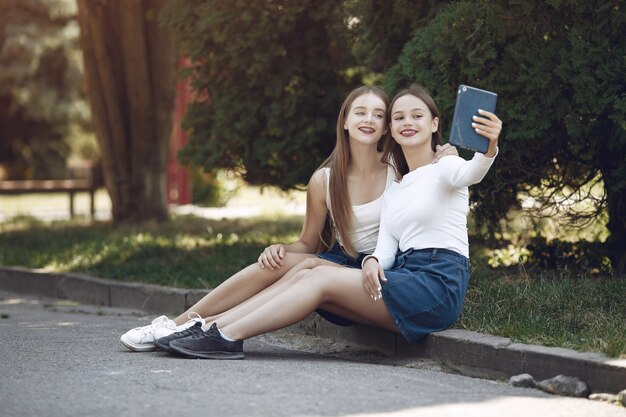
[{"x": 366, "y": 258}]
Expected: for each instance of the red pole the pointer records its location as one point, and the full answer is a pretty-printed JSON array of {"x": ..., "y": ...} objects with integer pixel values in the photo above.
[{"x": 178, "y": 178}]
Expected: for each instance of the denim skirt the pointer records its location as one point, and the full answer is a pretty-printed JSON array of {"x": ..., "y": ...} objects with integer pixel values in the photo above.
[
  {"x": 337, "y": 255},
  {"x": 425, "y": 290}
]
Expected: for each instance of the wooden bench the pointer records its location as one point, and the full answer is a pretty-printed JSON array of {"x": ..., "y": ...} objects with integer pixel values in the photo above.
[{"x": 86, "y": 183}]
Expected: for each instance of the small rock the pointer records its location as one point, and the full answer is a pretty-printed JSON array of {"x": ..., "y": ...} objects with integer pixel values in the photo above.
[
  {"x": 523, "y": 381},
  {"x": 621, "y": 397},
  {"x": 602, "y": 396},
  {"x": 568, "y": 386}
]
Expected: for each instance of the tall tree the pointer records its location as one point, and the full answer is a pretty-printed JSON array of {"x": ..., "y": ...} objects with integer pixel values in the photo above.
[
  {"x": 40, "y": 99},
  {"x": 558, "y": 67},
  {"x": 381, "y": 28},
  {"x": 269, "y": 77},
  {"x": 130, "y": 67}
]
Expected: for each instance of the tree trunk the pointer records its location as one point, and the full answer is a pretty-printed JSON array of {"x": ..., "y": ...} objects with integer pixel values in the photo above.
[
  {"x": 130, "y": 68},
  {"x": 611, "y": 157},
  {"x": 616, "y": 202}
]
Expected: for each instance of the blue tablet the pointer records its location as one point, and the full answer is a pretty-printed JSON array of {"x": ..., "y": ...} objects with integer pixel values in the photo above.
[{"x": 468, "y": 101}]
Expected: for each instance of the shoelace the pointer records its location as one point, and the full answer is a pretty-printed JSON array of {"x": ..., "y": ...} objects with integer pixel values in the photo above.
[
  {"x": 191, "y": 317},
  {"x": 200, "y": 335},
  {"x": 189, "y": 331},
  {"x": 158, "y": 322},
  {"x": 208, "y": 333}
]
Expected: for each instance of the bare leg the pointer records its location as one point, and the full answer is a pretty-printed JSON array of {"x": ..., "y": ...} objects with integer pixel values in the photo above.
[
  {"x": 346, "y": 314},
  {"x": 341, "y": 287},
  {"x": 240, "y": 287},
  {"x": 268, "y": 293}
]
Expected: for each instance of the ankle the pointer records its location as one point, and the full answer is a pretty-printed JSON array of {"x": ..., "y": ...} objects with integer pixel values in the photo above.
[{"x": 226, "y": 337}]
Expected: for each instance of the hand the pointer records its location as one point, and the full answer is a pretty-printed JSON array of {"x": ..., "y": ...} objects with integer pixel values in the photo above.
[
  {"x": 490, "y": 127},
  {"x": 372, "y": 275},
  {"x": 272, "y": 257},
  {"x": 444, "y": 150}
]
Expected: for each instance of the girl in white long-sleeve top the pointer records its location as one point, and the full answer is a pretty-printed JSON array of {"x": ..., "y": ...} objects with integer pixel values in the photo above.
[{"x": 420, "y": 267}]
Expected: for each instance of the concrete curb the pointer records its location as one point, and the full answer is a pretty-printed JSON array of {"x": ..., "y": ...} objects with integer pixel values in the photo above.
[{"x": 468, "y": 353}]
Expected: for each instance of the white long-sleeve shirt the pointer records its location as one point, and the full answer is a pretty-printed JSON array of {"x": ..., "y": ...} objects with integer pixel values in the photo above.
[{"x": 428, "y": 208}]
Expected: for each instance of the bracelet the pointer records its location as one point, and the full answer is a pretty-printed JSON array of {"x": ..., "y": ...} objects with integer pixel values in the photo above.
[{"x": 367, "y": 258}]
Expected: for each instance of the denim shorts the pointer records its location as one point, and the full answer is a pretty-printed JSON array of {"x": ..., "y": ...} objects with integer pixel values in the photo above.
[
  {"x": 425, "y": 290},
  {"x": 337, "y": 255}
]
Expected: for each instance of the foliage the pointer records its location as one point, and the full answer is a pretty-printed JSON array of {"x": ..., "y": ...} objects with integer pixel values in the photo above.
[
  {"x": 559, "y": 71},
  {"x": 381, "y": 28},
  {"x": 269, "y": 78},
  {"x": 590, "y": 257},
  {"x": 41, "y": 102},
  {"x": 212, "y": 189}
]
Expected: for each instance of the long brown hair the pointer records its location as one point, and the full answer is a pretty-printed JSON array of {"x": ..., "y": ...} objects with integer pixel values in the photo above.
[
  {"x": 392, "y": 152},
  {"x": 341, "y": 210}
]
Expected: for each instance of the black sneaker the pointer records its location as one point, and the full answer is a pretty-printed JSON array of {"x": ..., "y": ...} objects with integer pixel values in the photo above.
[
  {"x": 163, "y": 343},
  {"x": 208, "y": 345}
]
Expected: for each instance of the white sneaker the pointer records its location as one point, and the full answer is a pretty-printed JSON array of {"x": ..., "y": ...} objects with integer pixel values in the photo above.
[{"x": 141, "y": 339}]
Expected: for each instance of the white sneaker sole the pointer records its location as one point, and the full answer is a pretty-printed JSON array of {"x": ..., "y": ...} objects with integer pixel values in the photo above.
[{"x": 144, "y": 347}]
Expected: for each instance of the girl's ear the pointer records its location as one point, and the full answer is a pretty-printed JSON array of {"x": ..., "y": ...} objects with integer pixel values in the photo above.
[{"x": 435, "y": 124}]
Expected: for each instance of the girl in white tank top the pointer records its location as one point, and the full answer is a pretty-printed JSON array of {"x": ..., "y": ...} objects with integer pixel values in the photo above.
[{"x": 366, "y": 217}]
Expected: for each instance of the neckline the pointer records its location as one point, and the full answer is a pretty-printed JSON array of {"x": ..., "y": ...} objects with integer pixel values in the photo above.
[
  {"x": 413, "y": 173},
  {"x": 370, "y": 202},
  {"x": 387, "y": 184}
]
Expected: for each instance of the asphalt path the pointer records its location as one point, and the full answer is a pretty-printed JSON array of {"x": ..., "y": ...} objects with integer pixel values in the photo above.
[{"x": 58, "y": 358}]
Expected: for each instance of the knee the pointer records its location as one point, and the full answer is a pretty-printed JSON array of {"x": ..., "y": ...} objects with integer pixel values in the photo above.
[
  {"x": 310, "y": 263},
  {"x": 319, "y": 275},
  {"x": 323, "y": 270},
  {"x": 305, "y": 266},
  {"x": 301, "y": 275}
]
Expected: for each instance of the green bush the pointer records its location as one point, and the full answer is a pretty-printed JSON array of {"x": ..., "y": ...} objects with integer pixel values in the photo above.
[
  {"x": 558, "y": 68},
  {"x": 269, "y": 78}
]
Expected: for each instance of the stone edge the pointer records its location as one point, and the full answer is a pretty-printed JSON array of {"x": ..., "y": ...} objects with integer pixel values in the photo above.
[{"x": 466, "y": 352}]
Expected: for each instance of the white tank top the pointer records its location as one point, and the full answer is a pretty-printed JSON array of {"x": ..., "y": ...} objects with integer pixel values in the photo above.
[{"x": 366, "y": 217}]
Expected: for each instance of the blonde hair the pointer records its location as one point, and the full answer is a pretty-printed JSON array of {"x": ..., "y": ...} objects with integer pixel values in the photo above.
[{"x": 341, "y": 210}]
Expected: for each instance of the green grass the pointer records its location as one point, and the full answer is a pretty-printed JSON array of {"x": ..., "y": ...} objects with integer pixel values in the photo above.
[
  {"x": 188, "y": 252},
  {"x": 578, "y": 311},
  {"x": 549, "y": 308}
]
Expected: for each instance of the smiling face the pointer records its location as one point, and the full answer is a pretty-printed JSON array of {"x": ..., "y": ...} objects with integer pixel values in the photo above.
[
  {"x": 412, "y": 123},
  {"x": 365, "y": 121}
]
